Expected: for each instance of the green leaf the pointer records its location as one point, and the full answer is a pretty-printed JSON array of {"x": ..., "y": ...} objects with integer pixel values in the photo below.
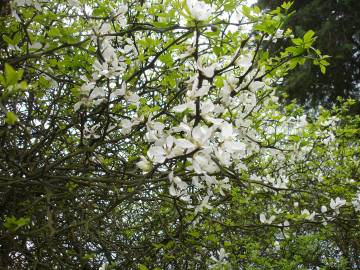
[
  {"x": 322, "y": 69},
  {"x": 287, "y": 5},
  {"x": 302, "y": 61},
  {"x": 142, "y": 267},
  {"x": 54, "y": 32},
  {"x": 17, "y": 38},
  {"x": 219, "y": 81},
  {"x": 308, "y": 36},
  {"x": 13, "y": 224},
  {"x": 256, "y": 9},
  {"x": 297, "y": 41},
  {"x": 246, "y": 11},
  {"x": 324, "y": 62},
  {"x": 160, "y": 24},
  {"x": 10, "y": 75},
  {"x": 166, "y": 59},
  {"x": 71, "y": 186},
  {"x": 2, "y": 80},
  {"x": 88, "y": 256},
  {"x": 22, "y": 85},
  {"x": 11, "y": 118},
  {"x": 8, "y": 40},
  {"x": 229, "y": 6}
]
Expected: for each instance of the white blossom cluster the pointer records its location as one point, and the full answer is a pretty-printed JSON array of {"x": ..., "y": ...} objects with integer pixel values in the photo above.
[
  {"x": 356, "y": 202},
  {"x": 217, "y": 129}
]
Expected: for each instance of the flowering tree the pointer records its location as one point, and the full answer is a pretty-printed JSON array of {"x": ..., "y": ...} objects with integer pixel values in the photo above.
[{"x": 146, "y": 134}]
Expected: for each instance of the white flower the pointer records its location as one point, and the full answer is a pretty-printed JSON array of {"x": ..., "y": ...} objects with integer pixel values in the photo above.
[
  {"x": 208, "y": 71},
  {"x": 103, "y": 266},
  {"x": 307, "y": 214},
  {"x": 35, "y": 46},
  {"x": 121, "y": 19},
  {"x": 356, "y": 202},
  {"x": 279, "y": 34},
  {"x": 202, "y": 91},
  {"x": 128, "y": 48},
  {"x": 79, "y": 103},
  {"x": 323, "y": 209},
  {"x": 210, "y": 180},
  {"x": 256, "y": 85},
  {"x": 177, "y": 181},
  {"x": 201, "y": 135},
  {"x": 96, "y": 93},
  {"x": 91, "y": 131},
  {"x": 337, "y": 203},
  {"x": 232, "y": 147},
  {"x": 122, "y": 9},
  {"x": 222, "y": 185},
  {"x": 221, "y": 260},
  {"x": 184, "y": 144},
  {"x": 199, "y": 10},
  {"x": 182, "y": 107},
  {"x": 169, "y": 142},
  {"x": 204, "y": 204},
  {"x": 119, "y": 92},
  {"x": 203, "y": 164},
  {"x": 226, "y": 130},
  {"x": 264, "y": 220},
  {"x": 195, "y": 90},
  {"x": 134, "y": 99},
  {"x": 173, "y": 191},
  {"x": 74, "y": 3},
  {"x": 208, "y": 108},
  {"x": 126, "y": 125},
  {"x": 195, "y": 182},
  {"x": 105, "y": 28},
  {"x": 223, "y": 156},
  {"x": 144, "y": 164},
  {"x": 189, "y": 51},
  {"x": 87, "y": 87},
  {"x": 157, "y": 154},
  {"x": 244, "y": 61}
]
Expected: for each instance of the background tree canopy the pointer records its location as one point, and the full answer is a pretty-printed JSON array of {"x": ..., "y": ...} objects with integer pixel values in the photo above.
[
  {"x": 337, "y": 24},
  {"x": 147, "y": 135}
]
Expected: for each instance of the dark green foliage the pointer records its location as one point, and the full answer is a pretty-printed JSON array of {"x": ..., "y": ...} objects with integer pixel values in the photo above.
[{"x": 337, "y": 26}]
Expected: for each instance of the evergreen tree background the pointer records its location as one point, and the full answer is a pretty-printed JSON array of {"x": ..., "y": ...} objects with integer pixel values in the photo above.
[{"x": 337, "y": 26}]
